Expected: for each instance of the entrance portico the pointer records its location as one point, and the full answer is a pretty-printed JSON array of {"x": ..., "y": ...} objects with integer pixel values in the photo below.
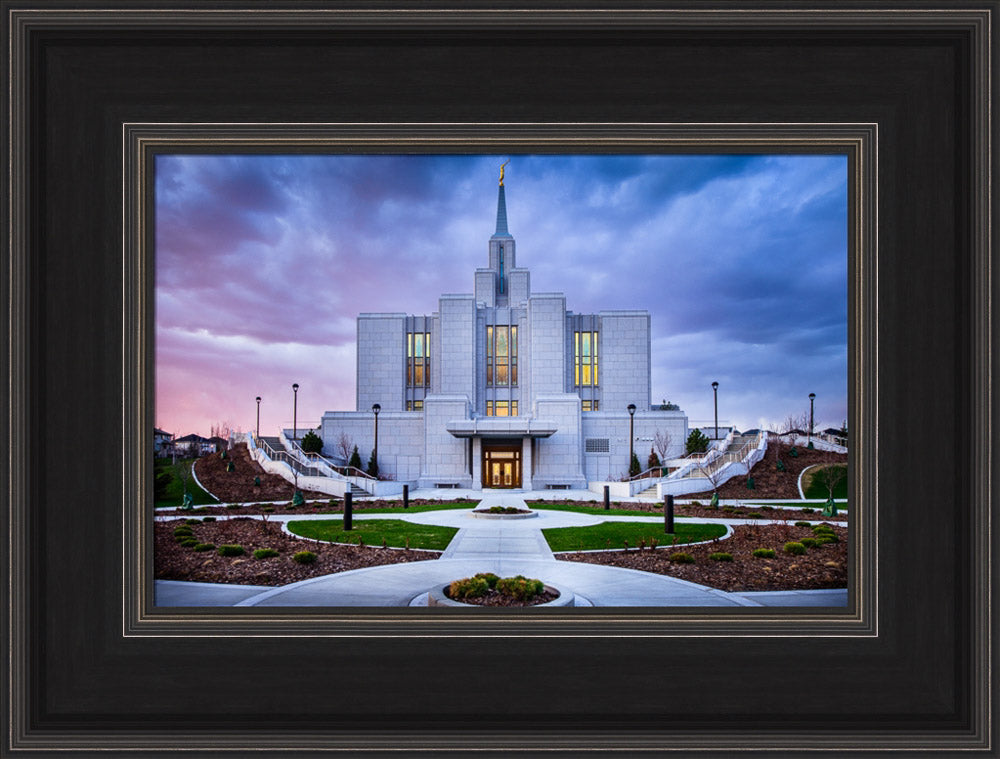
[{"x": 501, "y": 448}]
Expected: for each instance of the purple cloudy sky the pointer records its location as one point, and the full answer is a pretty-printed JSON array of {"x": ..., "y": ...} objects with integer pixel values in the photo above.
[{"x": 263, "y": 263}]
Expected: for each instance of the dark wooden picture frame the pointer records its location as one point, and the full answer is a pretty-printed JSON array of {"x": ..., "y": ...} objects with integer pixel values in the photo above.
[{"x": 907, "y": 669}]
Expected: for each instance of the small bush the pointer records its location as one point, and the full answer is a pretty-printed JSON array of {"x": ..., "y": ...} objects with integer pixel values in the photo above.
[
  {"x": 268, "y": 509},
  {"x": 802, "y": 524},
  {"x": 264, "y": 553},
  {"x": 807, "y": 510},
  {"x": 184, "y": 530},
  {"x": 682, "y": 558},
  {"x": 720, "y": 556},
  {"x": 823, "y": 527},
  {"x": 192, "y": 521},
  {"x": 468, "y": 587},
  {"x": 696, "y": 503},
  {"x": 765, "y": 507},
  {"x": 208, "y": 519},
  {"x": 189, "y": 542},
  {"x": 491, "y": 579},
  {"x": 827, "y": 537},
  {"x": 520, "y": 587},
  {"x": 230, "y": 549},
  {"x": 232, "y": 505},
  {"x": 711, "y": 507},
  {"x": 808, "y": 542},
  {"x": 204, "y": 546},
  {"x": 763, "y": 553},
  {"x": 794, "y": 548},
  {"x": 304, "y": 557}
]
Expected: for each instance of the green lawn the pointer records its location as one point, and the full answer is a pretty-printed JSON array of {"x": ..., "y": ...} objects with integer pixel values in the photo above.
[
  {"x": 597, "y": 536},
  {"x": 414, "y": 509},
  {"x": 173, "y": 493},
  {"x": 372, "y": 531},
  {"x": 597, "y": 509},
  {"x": 813, "y": 487}
]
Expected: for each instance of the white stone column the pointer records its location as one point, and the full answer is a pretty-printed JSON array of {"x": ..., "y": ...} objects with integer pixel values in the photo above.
[
  {"x": 526, "y": 463},
  {"x": 477, "y": 463}
]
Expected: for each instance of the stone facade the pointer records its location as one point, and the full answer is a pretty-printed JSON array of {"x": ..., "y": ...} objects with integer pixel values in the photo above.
[{"x": 504, "y": 387}]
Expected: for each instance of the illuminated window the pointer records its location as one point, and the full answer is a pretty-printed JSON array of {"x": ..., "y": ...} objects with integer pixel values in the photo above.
[
  {"x": 590, "y": 405},
  {"x": 585, "y": 359},
  {"x": 414, "y": 405},
  {"x": 501, "y": 356},
  {"x": 418, "y": 359},
  {"x": 501, "y": 408}
]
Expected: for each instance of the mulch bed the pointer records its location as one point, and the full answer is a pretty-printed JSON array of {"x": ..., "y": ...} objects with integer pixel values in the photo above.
[
  {"x": 496, "y": 598},
  {"x": 768, "y": 481},
  {"x": 820, "y": 567},
  {"x": 174, "y": 562},
  {"x": 238, "y": 485},
  {"x": 753, "y": 512}
]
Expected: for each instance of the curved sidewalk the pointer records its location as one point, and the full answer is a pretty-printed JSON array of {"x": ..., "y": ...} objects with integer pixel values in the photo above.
[{"x": 503, "y": 546}]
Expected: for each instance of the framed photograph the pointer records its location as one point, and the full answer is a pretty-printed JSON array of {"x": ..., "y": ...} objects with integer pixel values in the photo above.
[{"x": 149, "y": 153}]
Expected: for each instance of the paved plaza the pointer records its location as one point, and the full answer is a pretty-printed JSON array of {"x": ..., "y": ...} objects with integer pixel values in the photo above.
[{"x": 503, "y": 546}]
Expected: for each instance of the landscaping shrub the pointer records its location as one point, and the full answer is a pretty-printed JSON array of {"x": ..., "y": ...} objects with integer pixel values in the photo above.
[
  {"x": 765, "y": 507},
  {"x": 312, "y": 443},
  {"x": 304, "y": 557},
  {"x": 682, "y": 558},
  {"x": 520, "y": 587},
  {"x": 802, "y": 524},
  {"x": 795, "y": 549},
  {"x": 720, "y": 556},
  {"x": 230, "y": 549},
  {"x": 189, "y": 542},
  {"x": 355, "y": 460},
  {"x": 268, "y": 509},
  {"x": 808, "y": 542},
  {"x": 763, "y": 553},
  {"x": 491, "y": 579},
  {"x": 468, "y": 587},
  {"x": 823, "y": 527},
  {"x": 264, "y": 553},
  {"x": 208, "y": 519},
  {"x": 192, "y": 521},
  {"x": 184, "y": 530},
  {"x": 697, "y": 442},
  {"x": 204, "y": 546},
  {"x": 807, "y": 510},
  {"x": 232, "y": 505}
]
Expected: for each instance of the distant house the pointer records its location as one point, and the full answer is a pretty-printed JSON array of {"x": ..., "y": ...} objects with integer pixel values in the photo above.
[
  {"x": 219, "y": 443},
  {"x": 194, "y": 445},
  {"x": 161, "y": 442}
]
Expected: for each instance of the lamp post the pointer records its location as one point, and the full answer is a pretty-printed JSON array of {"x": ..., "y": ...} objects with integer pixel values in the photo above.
[
  {"x": 715, "y": 394},
  {"x": 812, "y": 398},
  {"x": 375, "y": 409},
  {"x": 295, "y": 412},
  {"x": 258, "y": 416},
  {"x": 631, "y": 436}
]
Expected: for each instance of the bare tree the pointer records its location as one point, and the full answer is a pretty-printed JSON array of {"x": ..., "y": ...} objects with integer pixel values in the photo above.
[
  {"x": 344, "y": 445},
  {"x": 222, "y": 430},
  {"x": 662, "y": 441}
]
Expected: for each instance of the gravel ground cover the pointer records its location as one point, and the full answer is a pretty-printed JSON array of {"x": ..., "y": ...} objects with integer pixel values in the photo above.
[
  {"x": 822, "y": 566},
  {"x": 176, "y": 562}
]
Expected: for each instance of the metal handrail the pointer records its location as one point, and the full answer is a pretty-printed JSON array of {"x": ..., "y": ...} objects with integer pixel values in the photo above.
[{"x": 343, "y": 471}]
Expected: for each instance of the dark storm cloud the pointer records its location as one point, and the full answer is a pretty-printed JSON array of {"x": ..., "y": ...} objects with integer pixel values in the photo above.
[{"x": 265, "y": 261}]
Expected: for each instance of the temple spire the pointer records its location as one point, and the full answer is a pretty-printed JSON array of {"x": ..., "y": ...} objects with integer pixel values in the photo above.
[{"x": 502, "y": 230}]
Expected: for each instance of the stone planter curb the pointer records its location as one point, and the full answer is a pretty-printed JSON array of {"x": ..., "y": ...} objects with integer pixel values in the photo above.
[{"x": 436, "y": 597}]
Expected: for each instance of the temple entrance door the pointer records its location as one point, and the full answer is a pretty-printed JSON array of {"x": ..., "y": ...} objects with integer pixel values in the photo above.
[{"x": 501, "y": 465}]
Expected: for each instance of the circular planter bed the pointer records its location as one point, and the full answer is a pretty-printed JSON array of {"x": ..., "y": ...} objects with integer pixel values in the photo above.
[
  {"x": 550, "y": 597},
  {"x": 503, "y": 512}
]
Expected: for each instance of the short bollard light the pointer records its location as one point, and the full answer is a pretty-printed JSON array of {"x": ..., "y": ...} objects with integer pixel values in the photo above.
[
  {"x": 406, "y": 496},
  {"x": 668, "y": 515},
  {"x": 607, "y": 497},
  {"x": 348, "y": 509}
]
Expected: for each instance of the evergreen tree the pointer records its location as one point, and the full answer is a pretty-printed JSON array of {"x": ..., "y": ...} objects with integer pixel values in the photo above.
[
  {"x": 312, "y": 443},
  {"x": 654, "y": 461},
  {"x": 373, "y": 466},
  {"x": 633, "y": 467},
  {"x": 355, "y": 460},
  {"x": 697, "y": 442}
]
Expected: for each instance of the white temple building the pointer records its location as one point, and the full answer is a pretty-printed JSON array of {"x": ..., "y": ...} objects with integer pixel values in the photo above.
[{"x": 504, "y": 388}]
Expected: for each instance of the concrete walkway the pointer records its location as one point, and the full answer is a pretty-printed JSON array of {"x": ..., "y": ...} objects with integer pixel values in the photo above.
[{"x": 503, "y": 546}]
